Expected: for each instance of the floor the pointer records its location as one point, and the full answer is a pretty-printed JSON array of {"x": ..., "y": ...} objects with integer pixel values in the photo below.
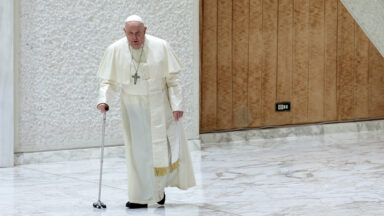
[{"x": 315, "y": 175}]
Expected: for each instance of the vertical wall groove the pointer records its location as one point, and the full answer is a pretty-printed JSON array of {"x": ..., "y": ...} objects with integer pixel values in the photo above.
[{"x": 309, "y": 56}]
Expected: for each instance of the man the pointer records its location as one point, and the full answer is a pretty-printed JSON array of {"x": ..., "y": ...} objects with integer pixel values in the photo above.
[{"x": 148, "y": 74}]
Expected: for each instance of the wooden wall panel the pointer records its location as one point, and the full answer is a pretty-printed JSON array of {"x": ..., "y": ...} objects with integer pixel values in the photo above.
[
  {"x": 224, "y": 65},
  {"x": 376, "y": 82},
  {"x": 240, "y": 62},
  {"x": 346, "y": 75},
  {"x": 255, "y": 62},
  {"x": 361, "y": 101},
  {"x": 300, "y": 62},
  {"x": 284, "y": 57},
  {"x": 209, "y": 67},
  {"x": 312, "y": 53},
  {"x": 330, "y": 72},
  {"x": 268, "y": 80},
  {"x": 316, "y": 61}
]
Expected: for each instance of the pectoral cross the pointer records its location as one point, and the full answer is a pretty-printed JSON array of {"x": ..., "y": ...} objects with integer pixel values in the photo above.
[{"x": 135, "y": 77}]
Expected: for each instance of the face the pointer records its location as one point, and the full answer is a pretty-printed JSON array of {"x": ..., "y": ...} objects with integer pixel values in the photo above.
[{"x": 135, "y": 32}]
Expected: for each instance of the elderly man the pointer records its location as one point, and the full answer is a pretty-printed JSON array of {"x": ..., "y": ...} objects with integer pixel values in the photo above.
[{"x": 148, "y": 74}]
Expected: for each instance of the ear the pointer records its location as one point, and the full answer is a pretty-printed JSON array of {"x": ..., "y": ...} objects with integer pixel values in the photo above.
[{"x": 145, "y": 29}]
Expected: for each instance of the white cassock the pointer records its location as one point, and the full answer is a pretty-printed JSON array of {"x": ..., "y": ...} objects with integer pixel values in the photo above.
[{"x": 156, "y": 149}]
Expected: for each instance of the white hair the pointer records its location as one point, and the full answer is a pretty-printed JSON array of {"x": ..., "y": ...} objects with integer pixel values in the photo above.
[{"x": 134, "y": 18}]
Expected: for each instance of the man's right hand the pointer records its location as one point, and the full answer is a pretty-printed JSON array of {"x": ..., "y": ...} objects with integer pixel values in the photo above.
[{"x": 103, "y": 107}]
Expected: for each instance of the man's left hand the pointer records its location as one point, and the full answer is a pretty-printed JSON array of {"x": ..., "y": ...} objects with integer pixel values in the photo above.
[{"x": 177, "y": 115}]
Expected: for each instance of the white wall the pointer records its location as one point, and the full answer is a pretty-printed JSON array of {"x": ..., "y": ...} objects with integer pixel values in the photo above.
[
  {"x": 61, "y": 44},
  {"x": 6, "y": 84},
  {"x": 370, "y": 17}
]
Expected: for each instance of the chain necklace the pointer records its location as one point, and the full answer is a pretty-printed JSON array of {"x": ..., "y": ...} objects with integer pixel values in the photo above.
[{"x": 135, "y": 77}]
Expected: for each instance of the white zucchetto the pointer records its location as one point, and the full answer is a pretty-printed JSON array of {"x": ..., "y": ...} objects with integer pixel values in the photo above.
[{"x": 134, "y": 18}]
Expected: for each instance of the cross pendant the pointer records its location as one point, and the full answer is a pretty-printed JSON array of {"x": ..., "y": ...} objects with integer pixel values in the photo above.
[{"x": 135, "y": 77}]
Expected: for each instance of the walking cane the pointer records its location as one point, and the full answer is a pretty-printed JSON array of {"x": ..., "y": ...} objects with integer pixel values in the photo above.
[{"x": 100, "y": 204}]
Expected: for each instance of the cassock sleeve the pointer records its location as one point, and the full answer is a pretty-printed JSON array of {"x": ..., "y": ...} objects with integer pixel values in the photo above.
[
  {"x": 107, "y": 65},
  {"x": 107, "y": 73},
  {"x": 107, "y": 91},
  {"x": 175, "y": 89}
]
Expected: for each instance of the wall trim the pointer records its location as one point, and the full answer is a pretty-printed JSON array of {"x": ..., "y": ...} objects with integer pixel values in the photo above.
[
  {"x": 7, "y": 88},
  {"x": 196, "y": 70},
  {"x": 80, "y": 154}
]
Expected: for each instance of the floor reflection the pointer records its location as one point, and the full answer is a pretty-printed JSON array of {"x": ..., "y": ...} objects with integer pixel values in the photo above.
[{"x": 309, "y": 176}]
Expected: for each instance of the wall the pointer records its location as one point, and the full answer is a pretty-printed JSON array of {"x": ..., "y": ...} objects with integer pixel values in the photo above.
[
  {"x": 308, "y": 52},
  {"x": 370, "y": 16},
  {"x": 61, "y": 44}
]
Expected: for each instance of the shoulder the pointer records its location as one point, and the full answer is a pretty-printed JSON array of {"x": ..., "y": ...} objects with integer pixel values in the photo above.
[
  {"x": 155, "y": 41},
  {"x": 117, "y": 44}
]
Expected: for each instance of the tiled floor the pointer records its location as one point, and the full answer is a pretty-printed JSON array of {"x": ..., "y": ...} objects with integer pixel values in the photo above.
[{"x": 305, "y": 176}]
